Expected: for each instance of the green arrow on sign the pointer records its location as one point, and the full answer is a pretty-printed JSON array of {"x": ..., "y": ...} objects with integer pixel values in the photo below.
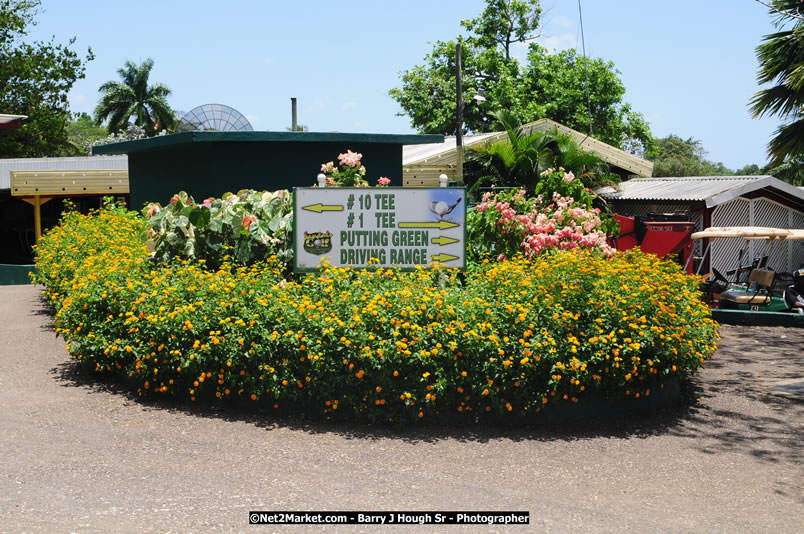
[
  {"x": 443, "y": 257},
  {"x": 318, "y": 208},
  {"x": 443, "y": 240},
  {"x": 441, "y": 225}
]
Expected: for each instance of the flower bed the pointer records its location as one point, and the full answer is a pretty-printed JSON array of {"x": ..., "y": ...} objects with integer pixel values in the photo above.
[{"x": 511, "y": 338}]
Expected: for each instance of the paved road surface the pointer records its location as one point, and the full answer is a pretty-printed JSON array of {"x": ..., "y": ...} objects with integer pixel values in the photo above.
[{"x": 81, "y": 455}]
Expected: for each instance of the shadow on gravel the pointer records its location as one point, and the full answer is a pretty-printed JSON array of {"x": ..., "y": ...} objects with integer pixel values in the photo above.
[
  {"x": 40, "y": 307},
  {"x": 69, "y": 374},
  {"x": 727, "y": 409},
  {"x": 772, "y": 439},
  {"x": 734, "y": 410}
]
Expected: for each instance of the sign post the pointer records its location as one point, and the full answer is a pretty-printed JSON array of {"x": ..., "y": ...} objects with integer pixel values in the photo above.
[{"x": 389, "y": 227}]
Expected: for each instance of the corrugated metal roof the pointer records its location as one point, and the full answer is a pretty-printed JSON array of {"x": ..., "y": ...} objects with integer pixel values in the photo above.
[
  {"x": 59, "y": 164},
  {"x": 712, "y": 190}
]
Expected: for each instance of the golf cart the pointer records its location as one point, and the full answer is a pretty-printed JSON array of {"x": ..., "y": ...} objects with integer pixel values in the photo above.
[{"x": 754, "y": 296}]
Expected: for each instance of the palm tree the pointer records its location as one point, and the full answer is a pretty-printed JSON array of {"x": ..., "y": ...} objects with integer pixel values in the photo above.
[
  {"x": 519, "y": 160},
  {"x": 781, "y": 58},
  {"x": 133, "y": 97},
  {"x": 516, "y": 161}
]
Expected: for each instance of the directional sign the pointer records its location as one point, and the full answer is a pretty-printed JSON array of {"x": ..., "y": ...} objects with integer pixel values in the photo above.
[
  {"x": 441, "y": 240},
  {"x": 318, "y": 208},
  {"x": 444, "y": 257},
  {"x": 441, "y": 225},
  {"x": 388, "y": 226}
]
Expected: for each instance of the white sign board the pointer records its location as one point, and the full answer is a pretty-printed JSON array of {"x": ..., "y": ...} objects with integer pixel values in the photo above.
[{"x": 385, "y": 226}]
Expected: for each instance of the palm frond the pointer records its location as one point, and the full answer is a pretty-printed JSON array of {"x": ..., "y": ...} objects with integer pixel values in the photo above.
[{"x": 787, "y": 140}]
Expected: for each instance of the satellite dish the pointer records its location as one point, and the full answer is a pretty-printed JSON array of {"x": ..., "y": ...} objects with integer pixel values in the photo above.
[{"x": 214, "y": 117}]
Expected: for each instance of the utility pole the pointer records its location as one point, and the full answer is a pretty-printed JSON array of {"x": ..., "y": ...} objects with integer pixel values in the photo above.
[{"x": 459, "y": 120}]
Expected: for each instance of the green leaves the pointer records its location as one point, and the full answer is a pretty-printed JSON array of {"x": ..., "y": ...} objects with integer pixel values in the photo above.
[
  {"x": 781, "y": 60},
  {"x": 251, "y": 225},
  {"x": 520, "y": 160},
  {"x": 35, "y": 79},
  {"x": 199, "y": 217}
]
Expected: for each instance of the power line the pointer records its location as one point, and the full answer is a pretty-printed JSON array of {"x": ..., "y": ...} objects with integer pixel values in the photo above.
[{"x": 586, "y": 68}]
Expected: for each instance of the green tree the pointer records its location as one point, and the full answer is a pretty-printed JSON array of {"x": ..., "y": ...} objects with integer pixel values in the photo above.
[
  {"x": 790, "y": 170},
  {"x": 781, "y": 63},
  {"x": 749, "y": 170},
  {"x": 81, "y": 133},
  {"x": 551, "y": 86},
  {"x": 133, "y": 97},
  {"x": 505, "y": 22},
  {"x": 34, "y": 81},
  {"x": 558, "y": 82},
  {"x": 685, "y": 157}
]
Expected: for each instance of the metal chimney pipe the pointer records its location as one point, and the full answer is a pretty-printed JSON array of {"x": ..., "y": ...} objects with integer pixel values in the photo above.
[{"x": 294, "y": 124}]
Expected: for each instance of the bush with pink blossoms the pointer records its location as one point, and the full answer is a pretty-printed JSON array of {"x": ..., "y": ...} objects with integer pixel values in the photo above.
[
  {"x": 349, "y": 173},
  {"x": 509, "y": 223}
]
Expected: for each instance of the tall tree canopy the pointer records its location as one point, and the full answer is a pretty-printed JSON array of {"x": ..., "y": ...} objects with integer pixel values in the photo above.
[
  {"x": 133, "y": 97},
  {"x": 34, "y": 81},
  {"x": 551, "y": 86},
  {"x": 781, "y": 63},
  {"x": 685, "y": 157}
]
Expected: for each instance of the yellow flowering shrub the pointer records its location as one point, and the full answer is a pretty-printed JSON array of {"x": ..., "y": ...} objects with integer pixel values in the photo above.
[
  {"x": 509, "y": 337},
  {"x": 62, "y": 253}
]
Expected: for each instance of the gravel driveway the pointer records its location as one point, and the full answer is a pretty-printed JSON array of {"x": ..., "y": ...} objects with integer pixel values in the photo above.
[{"x": 83, "y": 455}]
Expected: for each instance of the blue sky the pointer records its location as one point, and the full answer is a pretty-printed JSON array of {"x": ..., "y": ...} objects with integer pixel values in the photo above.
[{"x": 688, "y": 66}]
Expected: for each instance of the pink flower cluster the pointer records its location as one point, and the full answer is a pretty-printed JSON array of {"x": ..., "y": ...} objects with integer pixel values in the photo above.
[
  {"x": 383, "y": 181},
  {"x": 559, "y": 225},
  {"x": 350, "y": 159}
]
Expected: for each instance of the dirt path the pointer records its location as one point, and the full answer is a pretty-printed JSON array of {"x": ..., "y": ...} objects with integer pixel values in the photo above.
[{"x": 81, "y": 455}]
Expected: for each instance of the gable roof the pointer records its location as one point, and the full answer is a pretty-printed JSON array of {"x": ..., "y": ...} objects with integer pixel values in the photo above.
[
  {"x": 712, "y": 190},
  {"x": 444, "y": 154}
]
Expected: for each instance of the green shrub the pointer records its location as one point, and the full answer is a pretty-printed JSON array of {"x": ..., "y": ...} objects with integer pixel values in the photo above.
[
  {"x": 251, "y": 226},
  {"x": 70, "y": 251}
]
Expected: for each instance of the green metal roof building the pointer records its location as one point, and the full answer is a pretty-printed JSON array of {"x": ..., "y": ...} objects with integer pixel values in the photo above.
[{"x": 207, "y": 164}]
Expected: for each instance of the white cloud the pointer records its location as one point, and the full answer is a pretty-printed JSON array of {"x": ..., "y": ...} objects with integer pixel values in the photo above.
[
  {"x": 555, "y": 43},
  {"x": 350, "y": 106},
  {"x": 519, "y": 51},
  {"x": 562, "y": 22},
  {"x": 80, "y": 102},
  {"x": 359, "y": 124},
  {"x": 316, "y": 104}
]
